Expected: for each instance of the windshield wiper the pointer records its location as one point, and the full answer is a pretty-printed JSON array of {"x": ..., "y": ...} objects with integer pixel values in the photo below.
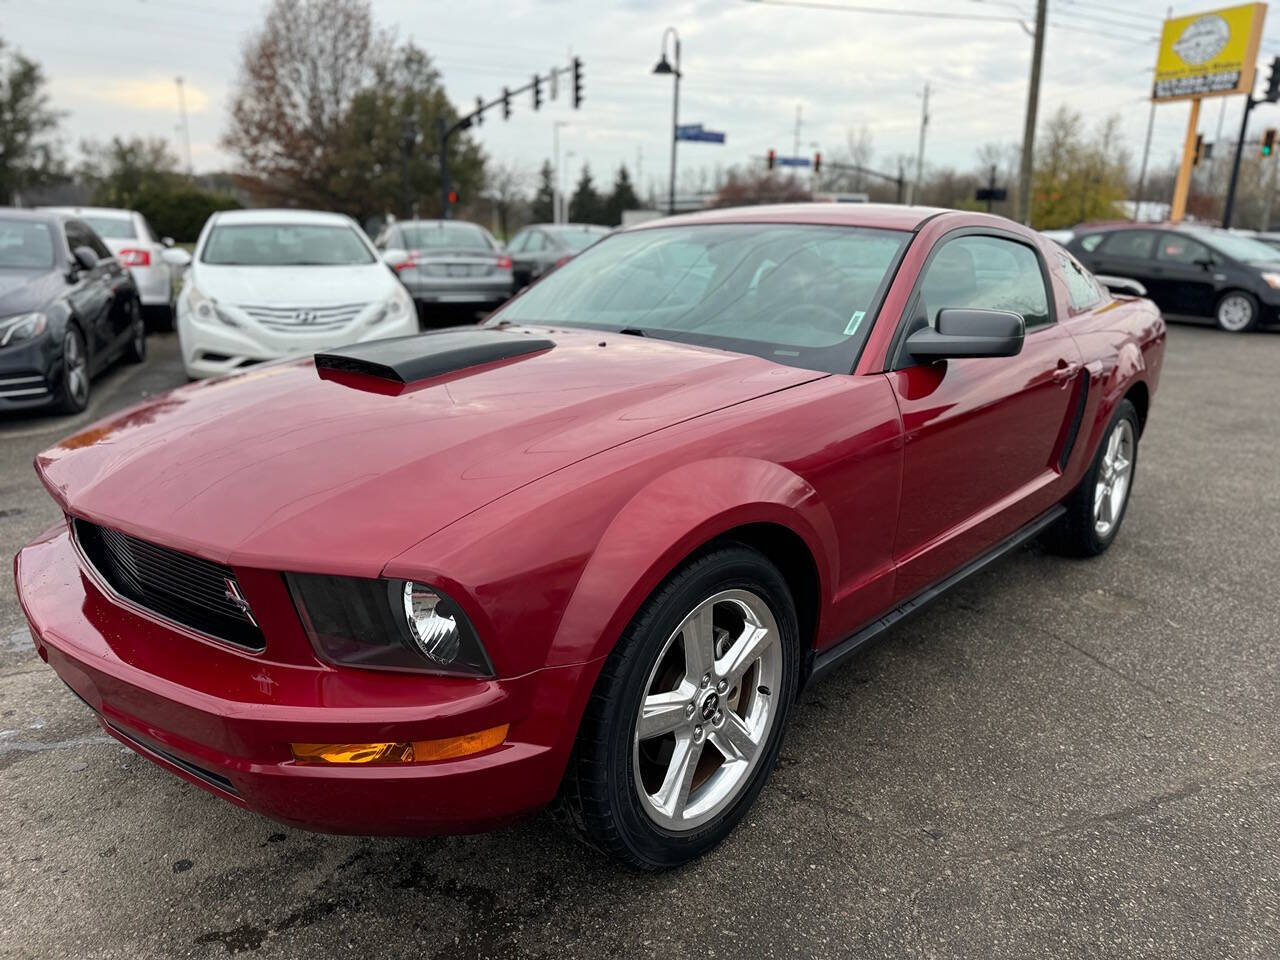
[{"x": 633, "y": 332}]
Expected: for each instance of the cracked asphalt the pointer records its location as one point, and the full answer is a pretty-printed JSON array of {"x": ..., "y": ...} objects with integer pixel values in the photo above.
[{"x": 1060, "y": 759}]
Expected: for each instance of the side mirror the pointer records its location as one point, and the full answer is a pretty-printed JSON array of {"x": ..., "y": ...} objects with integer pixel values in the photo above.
[
  {"x": 86, "y": 259},
  {"x": 1206, "y": 263},
  {"x": 166, "y": 241},
  {"x": 1123, "y": 285},
  {"x": 395, "y": 257},
  {"x": 968, "y": 333},
  {"x": 176, "y": 257}
]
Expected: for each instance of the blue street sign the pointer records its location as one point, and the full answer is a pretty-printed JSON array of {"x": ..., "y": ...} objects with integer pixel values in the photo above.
[
  {"x": 791, "y": 161},
  {"x": 695, "y": 131}
]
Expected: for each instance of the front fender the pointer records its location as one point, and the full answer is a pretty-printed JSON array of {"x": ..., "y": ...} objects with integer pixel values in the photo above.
[{"x": 669, "y": 519}]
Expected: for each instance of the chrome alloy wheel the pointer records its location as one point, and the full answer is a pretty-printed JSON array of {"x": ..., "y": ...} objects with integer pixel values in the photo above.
[
  {"x": 75, "y": 368},
  {"x": 717, "y": 683},
  {"x": 1114, "y": 476},
  {"x": 1235, "y": 313}
]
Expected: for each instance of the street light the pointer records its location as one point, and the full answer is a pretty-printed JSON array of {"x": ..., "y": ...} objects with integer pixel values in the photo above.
[
  {"x": 664, "y": 67},
  {"x": 556, "y": 189}
]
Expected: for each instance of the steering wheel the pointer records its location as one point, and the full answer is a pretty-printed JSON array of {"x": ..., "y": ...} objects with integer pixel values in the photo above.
[{"x": 814, "y": 315}]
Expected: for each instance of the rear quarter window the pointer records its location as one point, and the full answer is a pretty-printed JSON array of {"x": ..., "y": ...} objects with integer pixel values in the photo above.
[{"x": 1091, "y": 242}]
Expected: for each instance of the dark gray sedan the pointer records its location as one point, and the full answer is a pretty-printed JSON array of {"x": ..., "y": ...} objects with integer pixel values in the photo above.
[
  {"x": 541, "y": 247},
  {"x": 447, "y": 263}
]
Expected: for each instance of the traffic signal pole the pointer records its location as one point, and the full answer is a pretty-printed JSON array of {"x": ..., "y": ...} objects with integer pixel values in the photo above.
[{"x": 1229, "y": 207}]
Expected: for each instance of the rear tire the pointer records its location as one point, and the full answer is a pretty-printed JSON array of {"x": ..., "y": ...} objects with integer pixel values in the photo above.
[
  {"x": 136, "y": 351},
  {"x": 1237, "y": 312},
  {"x": 1097, "y": 507},
  {"x": 658, "y": 790}
]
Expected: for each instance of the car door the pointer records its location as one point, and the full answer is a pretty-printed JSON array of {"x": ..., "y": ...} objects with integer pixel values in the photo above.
[
  {"x": 982, "y": 437},
  {"x": 92, "y": 295},
  {"x": 1186, "y": 271},
  {"x": 1128, "y": 253},
  {"x": 527, "y": 264},
  {"x": 121, "y": 290}
]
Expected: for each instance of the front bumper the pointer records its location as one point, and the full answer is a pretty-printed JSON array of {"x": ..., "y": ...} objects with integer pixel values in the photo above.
[
  {"x": 223, "y": 719},
  {"x": 31, "y": 373},
  {"x": 210, "y": 349}
]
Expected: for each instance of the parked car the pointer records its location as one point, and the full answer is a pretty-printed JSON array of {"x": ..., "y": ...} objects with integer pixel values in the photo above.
[
  {"x": 67, "y": 311},
  {"x": 137, "y": 246},
  {"x": 1270, "y": 239},
  {"x": 447, "y": 264},
  {"x": 1059, "y": 236},
  {"x": 541, "y": 247},
  {"x": 1193, "y": 271},
  {"x": 594, "y": 547},
  {"x": 266, "y": 284}
]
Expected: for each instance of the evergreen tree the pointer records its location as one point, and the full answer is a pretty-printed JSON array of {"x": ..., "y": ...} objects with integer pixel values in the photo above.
[
  {"x": 542, "y": 210},
  {"x": 622, "y": 198},
  {"x": 586, "y": 205}
]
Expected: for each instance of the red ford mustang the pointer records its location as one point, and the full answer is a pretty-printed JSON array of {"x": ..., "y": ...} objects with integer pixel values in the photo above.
[{"x": 591, "y": 551}]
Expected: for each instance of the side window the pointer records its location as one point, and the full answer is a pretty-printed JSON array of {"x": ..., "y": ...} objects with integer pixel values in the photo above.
[
  {"x": 987, "y": 273},
  {"x": 518, "y": 241},
  {"x": 1082, "y": 289},
  {"x": 1090, "y": 243},
  {"x": 79, "y": 235},
  {"x": 1134, "y": 244},
  {"x": 1176, "y": 248},
  {"x": 536, "y": 242}
]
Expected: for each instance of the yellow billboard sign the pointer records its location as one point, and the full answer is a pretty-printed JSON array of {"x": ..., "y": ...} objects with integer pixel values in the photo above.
[{"x": 1209, "y": 54}]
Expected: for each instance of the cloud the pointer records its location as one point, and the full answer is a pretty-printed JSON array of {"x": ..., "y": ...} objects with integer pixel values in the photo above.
[{"x": 153, "y": 94}]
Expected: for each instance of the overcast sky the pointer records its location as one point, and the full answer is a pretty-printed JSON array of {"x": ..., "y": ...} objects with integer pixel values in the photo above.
[{"x": 748, "y": 66}]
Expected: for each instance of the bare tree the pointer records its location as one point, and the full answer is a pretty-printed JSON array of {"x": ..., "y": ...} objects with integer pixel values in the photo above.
[
  {"x": 298, "y": 78},
  {"x": 508, "y": 183}
]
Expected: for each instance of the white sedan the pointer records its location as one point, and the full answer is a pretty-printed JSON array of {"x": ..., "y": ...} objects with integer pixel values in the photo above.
[
  {"x": 266, "y": 284},
  {"x": 153, "y": 260}
]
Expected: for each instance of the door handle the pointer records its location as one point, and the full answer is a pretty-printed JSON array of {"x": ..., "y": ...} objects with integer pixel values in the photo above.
[{"x": 1065, "y": 372}]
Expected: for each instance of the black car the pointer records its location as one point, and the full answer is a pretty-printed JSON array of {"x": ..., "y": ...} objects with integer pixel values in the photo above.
[
  {"x": 1191, "y": 271},
  {"x": 67, "y": 310},
  {"x": 541, "y": 247}
]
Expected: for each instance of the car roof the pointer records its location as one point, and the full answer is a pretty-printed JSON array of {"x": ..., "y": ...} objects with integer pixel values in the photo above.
[
  {"x": 281, "y": 216},
  {"x": 91, "y": 211},
  {"x": 887, "y": 216},
  {"x": 26, "y": 213}
]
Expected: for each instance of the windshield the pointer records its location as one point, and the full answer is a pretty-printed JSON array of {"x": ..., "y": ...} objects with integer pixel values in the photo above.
[
  {"x": 285, "y": 245},
  {"x": 26, "y": 244},
  {"x": 1240, "y": 248},
  {"x": 453, "y": 236},
  {"x": 116, "y": 228},
  {"x": 578, "y": 240},
  {"x": 799, "y": 294}
]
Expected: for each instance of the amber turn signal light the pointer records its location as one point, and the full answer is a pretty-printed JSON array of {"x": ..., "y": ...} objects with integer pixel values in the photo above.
[{"x": 413, "y": 751}]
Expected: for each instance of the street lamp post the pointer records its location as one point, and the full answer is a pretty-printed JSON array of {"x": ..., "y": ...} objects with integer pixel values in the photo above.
[
  {"x": 664, "y": 67},
  {"x": 555, "y": 183}
]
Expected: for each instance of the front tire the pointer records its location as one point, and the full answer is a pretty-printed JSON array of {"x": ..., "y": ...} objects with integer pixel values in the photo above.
[
  {"x": 1237, "y": 312},
  {"x": 687, "y": 716},
  {"x": 75, "y": 371},
  {"x": 1097, "y": 507}
]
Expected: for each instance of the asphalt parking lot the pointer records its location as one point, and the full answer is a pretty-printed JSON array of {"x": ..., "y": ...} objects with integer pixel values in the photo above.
[{"x": 1062, "y": 758}]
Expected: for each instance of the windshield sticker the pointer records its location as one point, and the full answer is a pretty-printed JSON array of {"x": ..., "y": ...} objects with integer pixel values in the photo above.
[{"x": 854, "y": 323}]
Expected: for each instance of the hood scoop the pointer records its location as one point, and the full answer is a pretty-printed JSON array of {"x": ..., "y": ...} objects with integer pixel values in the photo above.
[{"x": 406, "y": 360}]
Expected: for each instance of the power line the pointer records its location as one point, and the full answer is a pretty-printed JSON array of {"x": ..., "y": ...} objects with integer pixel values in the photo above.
[{"x": 887, "y": 11}]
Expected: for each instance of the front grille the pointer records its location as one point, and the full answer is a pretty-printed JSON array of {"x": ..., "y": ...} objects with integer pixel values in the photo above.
[
  {"x": 305, "y": 319},
  {"x": 179, "y": 587}
]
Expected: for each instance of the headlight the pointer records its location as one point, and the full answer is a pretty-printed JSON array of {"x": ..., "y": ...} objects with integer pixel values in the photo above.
[
  {"x": 387, "y": 624},
  {"x": 25, "y": 326},
  {"x": 206, "y": 308},
  {"x": 1272, "y": 280},
  {"x": 396, "y": 307}
]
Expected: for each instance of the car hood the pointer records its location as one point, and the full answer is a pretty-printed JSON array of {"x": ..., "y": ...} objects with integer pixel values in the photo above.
[
  {"x": 24, "y": 290},
  {"x": 283, "y": 469},
  {"x": 295, "y": 286}
]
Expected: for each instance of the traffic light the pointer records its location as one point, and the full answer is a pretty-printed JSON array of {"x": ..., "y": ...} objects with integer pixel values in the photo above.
[
  {"x": 1268, "y": 141},
  {"x": 772, "y": 158},
  {"x": 453, "y": 196},
  {"x": 817, "y": 163},
  {"x": 537, "y": 92},
  {"x": 479, "y": 111},
  {"x": 577, "y": 83},
  {"x": 1273, "y": 82},
  {"x": 506, "y": 104},
  {"x": 1199, "y": 150}
]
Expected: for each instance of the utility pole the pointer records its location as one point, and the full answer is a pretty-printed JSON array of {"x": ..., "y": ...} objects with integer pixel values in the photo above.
[
  {"x": 913, "y": 191},
  {"x": 1033, "y": 103},
  {"x": 1142, "y": 176},
  {"x": 556, "y": 215},
  {"x": 186, "y": 129},
  {"x": 1265, "y": 225},
  {"x": 796, "y": 150}
]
